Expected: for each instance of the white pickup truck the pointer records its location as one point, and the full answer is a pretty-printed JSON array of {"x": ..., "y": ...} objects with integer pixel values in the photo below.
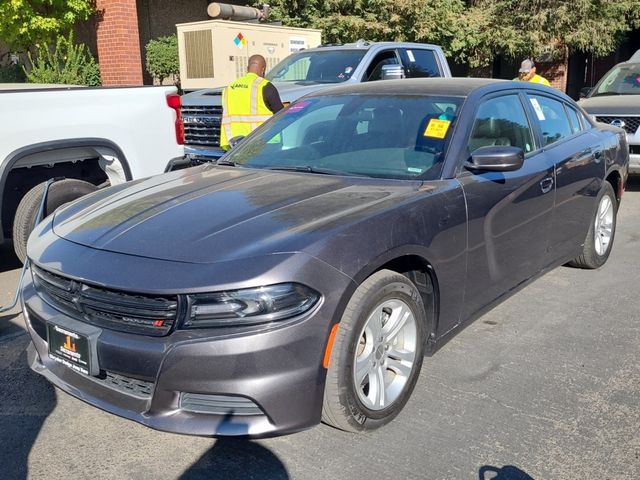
[{"x": 93, "y": 137}]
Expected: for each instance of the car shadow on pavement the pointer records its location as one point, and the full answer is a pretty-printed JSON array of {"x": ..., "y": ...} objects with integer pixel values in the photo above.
[
  {"x": 8, "y": 259},
  {"x": 508, "y": 472},
  {"x": 633, "y": 184},
  {"x": 26, "y": 399},
  {"x": 236, "y": 458}
]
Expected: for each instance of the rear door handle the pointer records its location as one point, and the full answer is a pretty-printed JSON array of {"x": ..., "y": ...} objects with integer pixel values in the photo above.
[{"x": 546, "y": 184}]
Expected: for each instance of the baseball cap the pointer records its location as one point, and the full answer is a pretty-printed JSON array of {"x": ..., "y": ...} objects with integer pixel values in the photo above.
[{"x": 526, "y": 66}]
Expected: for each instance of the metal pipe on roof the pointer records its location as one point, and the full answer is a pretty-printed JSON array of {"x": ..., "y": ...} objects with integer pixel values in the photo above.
[{"x": 224, "y": 11}]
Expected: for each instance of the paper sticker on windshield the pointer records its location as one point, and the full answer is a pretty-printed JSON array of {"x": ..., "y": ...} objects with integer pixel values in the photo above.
[
  {"x": 537, "y": 108},
  {"x": 437, "y": 128}
]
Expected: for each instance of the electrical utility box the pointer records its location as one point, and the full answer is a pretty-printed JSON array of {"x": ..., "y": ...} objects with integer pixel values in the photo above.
[{"x": 213, "y": 53}]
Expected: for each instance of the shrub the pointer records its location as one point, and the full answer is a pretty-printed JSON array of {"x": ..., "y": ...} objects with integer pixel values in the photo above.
[
  {"x": 162, "y": 58},
  {"x": 12, "y": 74},
  {"x": 67, "y": 63}
]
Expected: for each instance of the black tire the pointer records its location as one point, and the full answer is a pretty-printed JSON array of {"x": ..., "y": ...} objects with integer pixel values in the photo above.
[
  {"x": 342, "y": 407},
  {"x": 590, "y": 258},
  {"x": 60, "y": 192}
]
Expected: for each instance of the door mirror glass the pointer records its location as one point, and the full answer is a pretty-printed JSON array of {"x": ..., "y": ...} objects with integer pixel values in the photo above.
[{"x": 496, "y": 159}]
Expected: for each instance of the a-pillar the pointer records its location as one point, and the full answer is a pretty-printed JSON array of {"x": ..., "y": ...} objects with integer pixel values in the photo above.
[{"x": 118, "y": 42}]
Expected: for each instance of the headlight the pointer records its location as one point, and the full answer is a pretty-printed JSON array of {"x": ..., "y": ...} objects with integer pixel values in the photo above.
[{"x": 250, "y": 306}]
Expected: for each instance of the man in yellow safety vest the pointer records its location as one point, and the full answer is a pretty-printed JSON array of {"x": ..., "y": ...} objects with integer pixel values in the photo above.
[
  {"x": 248, "y": 102},
  {"x": 527, "y": 73}
]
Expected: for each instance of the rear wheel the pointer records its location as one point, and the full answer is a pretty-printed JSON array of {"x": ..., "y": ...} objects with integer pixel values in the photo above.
[
  {"x": 602, "y": 230},
  {"x": 60, "y": 192},
  {"x": 377, "y": 354}
]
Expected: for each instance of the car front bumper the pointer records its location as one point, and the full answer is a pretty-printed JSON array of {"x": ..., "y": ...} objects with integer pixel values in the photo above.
[{"x": 266, "y": 382}]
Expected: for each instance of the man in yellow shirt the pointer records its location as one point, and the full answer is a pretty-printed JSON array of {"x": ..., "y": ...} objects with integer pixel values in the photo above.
[
  {"x": 527, "y": 73},
  {"x": 248, "y": 102}
]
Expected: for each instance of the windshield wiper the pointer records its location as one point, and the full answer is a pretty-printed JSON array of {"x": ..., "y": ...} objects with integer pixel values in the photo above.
[{"x": 308, "y": 169}]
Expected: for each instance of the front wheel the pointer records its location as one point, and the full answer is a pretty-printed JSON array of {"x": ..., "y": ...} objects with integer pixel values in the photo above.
[
  {"x": 377, "y": 354},
  {"x": 602, "y": 230}
]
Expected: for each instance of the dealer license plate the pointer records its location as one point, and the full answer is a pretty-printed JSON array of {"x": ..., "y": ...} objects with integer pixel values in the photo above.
[{"x": 69, "y": 348}]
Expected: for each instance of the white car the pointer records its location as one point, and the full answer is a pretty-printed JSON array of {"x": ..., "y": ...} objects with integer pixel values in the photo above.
[{"x": 92, "y": 137}]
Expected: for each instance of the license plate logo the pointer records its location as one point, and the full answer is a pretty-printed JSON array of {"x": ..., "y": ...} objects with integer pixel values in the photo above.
[{"x": 69, "y": 348}]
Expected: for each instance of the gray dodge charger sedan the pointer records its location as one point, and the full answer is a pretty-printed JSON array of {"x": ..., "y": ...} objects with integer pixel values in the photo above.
[{"x": 305, "y": 276}]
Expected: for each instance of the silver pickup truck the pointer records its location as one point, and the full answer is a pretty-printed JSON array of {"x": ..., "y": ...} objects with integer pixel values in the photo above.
[
  {"x": 307, "y": 71},
  {"x": 616, "y": 100}
]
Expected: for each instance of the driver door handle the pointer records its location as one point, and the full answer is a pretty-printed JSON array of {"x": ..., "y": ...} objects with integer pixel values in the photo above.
[{"x": 546, "y": 184}]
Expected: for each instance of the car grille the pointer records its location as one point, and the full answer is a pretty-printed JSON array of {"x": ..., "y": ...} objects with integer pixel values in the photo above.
[
  {"x": 126, "y": 312},
  {"x": 202, "y": 125},
  {"x": 128, "y": 385},
  {"x": 631, "y": 124},
  {"x": 634, "y": 149}
]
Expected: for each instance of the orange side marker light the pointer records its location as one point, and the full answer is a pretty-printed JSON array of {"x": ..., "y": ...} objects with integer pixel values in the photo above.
[{"x": 327, "y": 352}]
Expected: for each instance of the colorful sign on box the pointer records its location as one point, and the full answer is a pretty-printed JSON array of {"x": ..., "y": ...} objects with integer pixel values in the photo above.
[{"x": 240, "y": 41}]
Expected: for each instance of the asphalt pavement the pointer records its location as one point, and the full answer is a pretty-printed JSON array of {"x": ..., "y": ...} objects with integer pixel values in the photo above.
[{"x": 545, "y": 386}]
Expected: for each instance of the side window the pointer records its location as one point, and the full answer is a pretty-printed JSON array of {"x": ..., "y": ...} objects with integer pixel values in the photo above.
[
  {"x": 552, "y": 118},
  {"x": 420, "y": 63},
  {"x": 501, "y": 121},
  {"x": 573, "y": 119},
  {"x": 374, "y": 72}
]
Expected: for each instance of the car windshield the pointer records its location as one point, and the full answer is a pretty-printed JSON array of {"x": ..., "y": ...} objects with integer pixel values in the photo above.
[
  {"x": 329, "y": 66},
  {"x": 622, "y": 80},
  {"x": 382, "y": 136}
]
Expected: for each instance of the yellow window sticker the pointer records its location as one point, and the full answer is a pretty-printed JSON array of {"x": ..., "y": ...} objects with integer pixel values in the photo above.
[{"x": 437, "y": 128}]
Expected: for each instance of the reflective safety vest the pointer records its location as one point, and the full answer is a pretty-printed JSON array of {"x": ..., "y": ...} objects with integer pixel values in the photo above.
[
  {"x": 243, "y": 107},
  {"x": 537, "y": 79}
]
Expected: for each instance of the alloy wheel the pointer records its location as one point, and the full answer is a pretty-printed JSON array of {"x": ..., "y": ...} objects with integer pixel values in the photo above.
[{"x": 385, "y": 354}]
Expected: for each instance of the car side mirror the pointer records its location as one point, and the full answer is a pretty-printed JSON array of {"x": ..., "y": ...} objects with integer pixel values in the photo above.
[
  {"x": 585, "y": 91},
  {"x": 496, "y": 159},
  {"x": 235, "y": 140},
  {"x": 392, "y": 72}
]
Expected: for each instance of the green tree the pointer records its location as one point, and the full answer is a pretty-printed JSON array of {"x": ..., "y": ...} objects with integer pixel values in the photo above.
[
  {"x": 66, "y": 63},
  {"x": 377, "y": 20},
  {"x": 24, "y": 23},
  {"x": 547, "y": 27},
  {"x": 162, "y": 58},
  {"x": 472, "y": 31}
]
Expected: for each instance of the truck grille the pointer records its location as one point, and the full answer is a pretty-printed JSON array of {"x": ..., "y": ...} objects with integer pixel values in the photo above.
[
  {"x": 126, "y": 312},
  {"x": 202, "y": 125},
  {"x": 631, "y": 124}
]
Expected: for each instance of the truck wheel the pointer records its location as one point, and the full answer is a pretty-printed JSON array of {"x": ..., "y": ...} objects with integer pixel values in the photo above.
[
  {"x": 602, "y": 231},
  {"x": 60, "y": 192},
  {"x": 377, "y": 354}
]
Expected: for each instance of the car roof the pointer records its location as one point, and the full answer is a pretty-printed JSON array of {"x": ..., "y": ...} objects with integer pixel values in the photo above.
[
  {"x": 460, "y": 87},
  {"x": 366, "y": 45}
]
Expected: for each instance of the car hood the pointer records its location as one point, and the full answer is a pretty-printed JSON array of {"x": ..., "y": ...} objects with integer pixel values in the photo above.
[
  {"x": 612, "y": 105},
  {"x": 289, "y": 92},
  {"x": 207, "y": 96},
  {"x": 224, "y": 213}
]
